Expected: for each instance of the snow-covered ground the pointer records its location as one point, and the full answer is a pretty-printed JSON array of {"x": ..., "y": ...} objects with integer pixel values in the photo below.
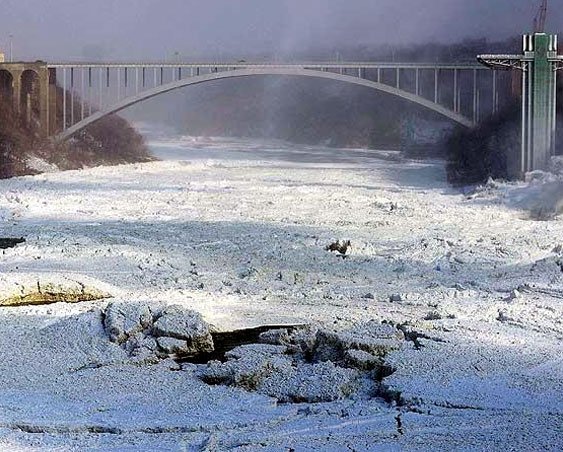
[{"x": 237, "y": 231}]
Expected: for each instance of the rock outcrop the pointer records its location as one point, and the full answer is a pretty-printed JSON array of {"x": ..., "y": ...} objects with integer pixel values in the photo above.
[
  {"x": 156, "y": 332},
  {"x": 27, "y": 290},
  {"x": 309, "y": 365}
]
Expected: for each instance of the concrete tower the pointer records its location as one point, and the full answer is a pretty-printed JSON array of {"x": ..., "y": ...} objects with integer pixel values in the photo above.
[
  {"x": 539, "y": 101},
  {"x": 539, "y": 65}
]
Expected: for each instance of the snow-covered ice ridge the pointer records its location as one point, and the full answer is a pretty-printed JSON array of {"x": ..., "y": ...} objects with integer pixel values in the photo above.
[{"x": 237, "y": 232}]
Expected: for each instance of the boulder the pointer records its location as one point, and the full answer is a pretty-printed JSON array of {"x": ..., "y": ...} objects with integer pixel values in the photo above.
[
  {"x": 124, "y": 320},
  {"x": 143, "y": 345},
  {"x": 172, "y": 330},
  {"x": 187, "y": 325},
  {"x": 20, "y": 289}
]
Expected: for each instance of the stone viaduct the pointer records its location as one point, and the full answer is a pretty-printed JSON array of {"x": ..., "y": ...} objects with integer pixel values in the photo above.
[{"x": 31, "y": 89}]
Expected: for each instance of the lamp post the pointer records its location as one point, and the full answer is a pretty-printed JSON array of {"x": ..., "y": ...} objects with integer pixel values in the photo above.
[{"x": 11, "y": 48}]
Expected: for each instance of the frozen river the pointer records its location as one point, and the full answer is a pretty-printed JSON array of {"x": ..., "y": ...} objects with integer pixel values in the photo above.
[{"x": 237, "y": 230}]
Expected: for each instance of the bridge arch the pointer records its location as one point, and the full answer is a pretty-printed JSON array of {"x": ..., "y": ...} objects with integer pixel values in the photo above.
[
  {"x": 6, "y": 85},
  {"x": 302, "y": 72}
]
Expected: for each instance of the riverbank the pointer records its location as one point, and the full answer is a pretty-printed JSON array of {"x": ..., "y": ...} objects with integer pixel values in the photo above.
[{"x": 23, "y": 151}]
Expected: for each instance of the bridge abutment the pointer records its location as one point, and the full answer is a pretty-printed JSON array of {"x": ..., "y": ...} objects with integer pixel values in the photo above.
[{"x": 29, "y": 92}]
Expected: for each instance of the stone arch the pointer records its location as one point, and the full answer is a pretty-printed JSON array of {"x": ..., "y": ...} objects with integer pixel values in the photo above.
[{"x": 6, "y": 86}]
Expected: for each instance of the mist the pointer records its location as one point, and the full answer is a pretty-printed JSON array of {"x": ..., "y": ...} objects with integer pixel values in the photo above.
[{"x": 223, "y": 29}]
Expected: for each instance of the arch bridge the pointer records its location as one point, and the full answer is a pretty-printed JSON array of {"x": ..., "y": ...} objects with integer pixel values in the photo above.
[{"x": 65, "y": 98}]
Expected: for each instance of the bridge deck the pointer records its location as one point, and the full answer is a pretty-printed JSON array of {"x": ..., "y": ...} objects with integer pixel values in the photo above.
[{"x": 246, "y": 65}]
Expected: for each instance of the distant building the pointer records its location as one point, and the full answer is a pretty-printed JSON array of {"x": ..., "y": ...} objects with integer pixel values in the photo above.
[{"x": 2, "y": 57}]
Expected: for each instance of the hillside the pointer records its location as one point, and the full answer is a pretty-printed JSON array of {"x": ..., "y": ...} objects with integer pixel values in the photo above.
[
  {"x": 24, "y": 151},
  {"x": 492, "y": 149}
]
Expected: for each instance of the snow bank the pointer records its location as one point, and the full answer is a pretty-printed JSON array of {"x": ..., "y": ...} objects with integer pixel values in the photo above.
[{"x": 543, "y": 196}]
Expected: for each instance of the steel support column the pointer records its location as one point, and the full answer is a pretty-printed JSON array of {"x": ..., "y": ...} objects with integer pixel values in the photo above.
[
  {"x": 455, "y": 91},
  {"x": 118, "y": 84},
  {"x": 436, "y": 86},
  {"x": 89, "y": 91},
  {"x": 64, "y": 100},
  {"x": 495, "y": 92},
  {"x": 525, "y": 113},
  {"x": 82, "y": 94},
  {"x": 71, "y": 96},
  {"x": 474, "y": 96},
  {"x": 100, "y": 89}
]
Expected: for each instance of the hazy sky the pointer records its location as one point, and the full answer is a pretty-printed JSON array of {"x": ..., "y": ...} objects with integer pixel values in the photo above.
[{"x": 155, "y": 29}]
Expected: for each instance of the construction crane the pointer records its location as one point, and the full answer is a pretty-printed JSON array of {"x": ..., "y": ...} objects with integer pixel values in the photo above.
[{"x": 541, "y": 17}]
